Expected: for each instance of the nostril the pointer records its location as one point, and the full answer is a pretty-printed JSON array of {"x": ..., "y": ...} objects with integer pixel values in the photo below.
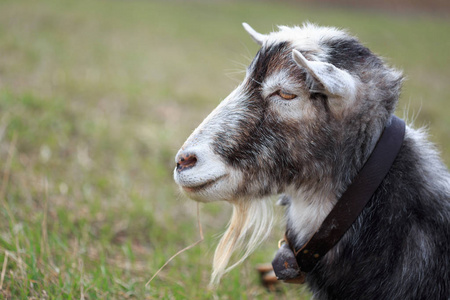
[{"x": 186, "y": 161}]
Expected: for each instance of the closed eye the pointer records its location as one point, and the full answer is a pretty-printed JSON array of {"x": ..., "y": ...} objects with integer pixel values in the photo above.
[{"x": 285, "y": 95}]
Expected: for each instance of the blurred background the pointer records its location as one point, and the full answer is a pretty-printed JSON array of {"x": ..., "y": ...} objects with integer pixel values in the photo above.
[{"x": 96, "y": 97}]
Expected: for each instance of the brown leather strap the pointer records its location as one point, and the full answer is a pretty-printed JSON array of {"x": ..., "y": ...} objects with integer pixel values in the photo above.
[{"x": 354, "y": 199}]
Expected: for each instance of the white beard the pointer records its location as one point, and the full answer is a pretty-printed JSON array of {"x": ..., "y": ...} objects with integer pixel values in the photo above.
[{"x": 249, "y": 226}]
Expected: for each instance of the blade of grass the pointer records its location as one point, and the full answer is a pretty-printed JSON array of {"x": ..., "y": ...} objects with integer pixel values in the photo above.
[
  {"x": 184, "y": 249},
  {"x": 44, "y": 242},
  {"x": 2, "y": 277},
  {"x": 81, "y": 268}
]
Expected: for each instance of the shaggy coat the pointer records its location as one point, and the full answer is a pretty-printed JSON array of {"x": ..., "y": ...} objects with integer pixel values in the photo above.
[{"x": 303, "y": 123}]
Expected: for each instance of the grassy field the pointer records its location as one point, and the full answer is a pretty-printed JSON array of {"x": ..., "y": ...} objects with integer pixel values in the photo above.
[{"x": 96, "y": 97}]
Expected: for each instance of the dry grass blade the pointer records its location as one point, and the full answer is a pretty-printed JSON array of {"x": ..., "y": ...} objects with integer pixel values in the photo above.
[
  {"x": 5, "y": 262},
  {"x": 184, "y": 249},
  {"x": 81, "y": 268},
  {"x": 44, "y": 242}
]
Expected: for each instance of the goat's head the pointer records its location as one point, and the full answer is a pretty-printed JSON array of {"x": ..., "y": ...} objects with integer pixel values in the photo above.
[{"x": 286, "y": 126}]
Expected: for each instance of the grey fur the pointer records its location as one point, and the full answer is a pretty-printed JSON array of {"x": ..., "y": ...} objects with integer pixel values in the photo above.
[{"x": 399, "y": 247}]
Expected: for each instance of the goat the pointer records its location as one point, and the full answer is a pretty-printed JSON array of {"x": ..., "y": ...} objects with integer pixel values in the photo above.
[{"x": 303, "y": 122}]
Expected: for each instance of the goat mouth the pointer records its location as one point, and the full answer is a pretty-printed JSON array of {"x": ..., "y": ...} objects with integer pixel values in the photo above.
[{"x": 202, "y": 186}]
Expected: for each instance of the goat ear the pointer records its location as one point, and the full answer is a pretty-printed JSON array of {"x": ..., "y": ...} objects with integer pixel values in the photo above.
[
  {"x": 335, "y": 82},
  {"x": 256, "y": 36}
]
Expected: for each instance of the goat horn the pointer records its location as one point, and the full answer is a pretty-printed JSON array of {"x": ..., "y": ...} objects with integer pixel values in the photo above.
[{"x": 256, "y": 36}]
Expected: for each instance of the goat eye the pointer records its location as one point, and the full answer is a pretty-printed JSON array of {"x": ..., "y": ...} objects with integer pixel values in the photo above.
[{"x": 286, "y": 96}]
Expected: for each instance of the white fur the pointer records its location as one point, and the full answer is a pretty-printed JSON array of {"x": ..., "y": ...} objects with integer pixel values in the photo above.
[
  {"x": 285, "y": 109},
  {"x": 209, "y": 166},
  {"x": 281, "y": 81},
  {"x": 249, "y": 226},
  {"x": 420, "y": 138},
  {"x": 308, "y": 210},
  {"x": 308, "y": 37}
]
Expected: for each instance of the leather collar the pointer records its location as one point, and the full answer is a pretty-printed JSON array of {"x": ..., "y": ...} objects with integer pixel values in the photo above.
[{"x": 292, "y": 264}]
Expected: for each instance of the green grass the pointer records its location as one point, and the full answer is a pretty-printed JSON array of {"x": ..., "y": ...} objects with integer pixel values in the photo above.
[{"x": 95, "y": 100}]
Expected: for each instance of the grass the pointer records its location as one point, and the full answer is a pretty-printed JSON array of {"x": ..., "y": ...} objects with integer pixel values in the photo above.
[{"x": 95, "y": 100}]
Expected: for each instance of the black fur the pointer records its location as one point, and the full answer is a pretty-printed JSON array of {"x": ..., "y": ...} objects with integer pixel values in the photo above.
[{"x": 399, "y": 248}]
